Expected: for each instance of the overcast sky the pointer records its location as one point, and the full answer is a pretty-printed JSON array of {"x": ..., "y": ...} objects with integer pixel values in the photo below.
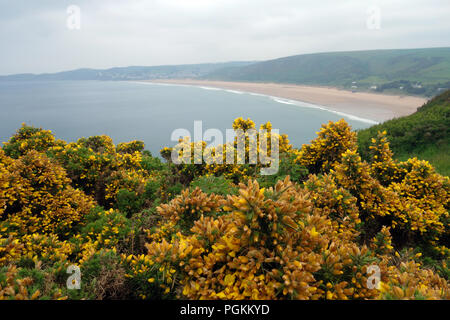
[{"x": 35, "y": 36}]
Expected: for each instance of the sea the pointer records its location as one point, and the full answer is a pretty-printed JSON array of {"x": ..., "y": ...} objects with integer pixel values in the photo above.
[{"x": 151, "y": 112}]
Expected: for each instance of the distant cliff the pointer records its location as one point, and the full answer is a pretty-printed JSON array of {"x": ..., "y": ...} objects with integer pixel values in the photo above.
[
  {"x": 129, "y": 73},
  {"x": 423, "y": 72}
]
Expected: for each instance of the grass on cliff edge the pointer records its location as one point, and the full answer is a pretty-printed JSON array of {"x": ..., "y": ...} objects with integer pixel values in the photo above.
[{"x": 424, "y": 134}]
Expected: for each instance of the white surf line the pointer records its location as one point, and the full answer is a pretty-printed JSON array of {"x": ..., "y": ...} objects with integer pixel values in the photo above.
[
  {"x": 320, "y": 107},
  {"x": 274, "y": 98},
  {"x": 210, "y": 88}
]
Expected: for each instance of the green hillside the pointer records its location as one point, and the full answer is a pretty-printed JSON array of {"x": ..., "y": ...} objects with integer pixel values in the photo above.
[
  {"x": 128, "y": 73},
  {"x": 417, "y": 71},
  {"x": 424, "y": 134}
]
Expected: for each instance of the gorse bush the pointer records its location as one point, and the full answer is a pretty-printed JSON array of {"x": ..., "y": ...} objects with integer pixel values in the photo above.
[
  {"x": 241, "y": 167},
  {"x": 38, "y": 196},
  {"x": 142, "y": 228},
  {"x": 30, "y": 138},
  {"x": 326, "y": 150}
]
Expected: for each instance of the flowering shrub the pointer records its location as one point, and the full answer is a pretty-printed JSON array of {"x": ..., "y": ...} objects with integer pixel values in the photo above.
[
  {"x": 190, "y": 206},
  {"x": 30, "y": 138},
  {"x": 96, "y": 168},
  {"x": 194, "y": 165},
  {"x": 39, "y": 197},
  {"x": 130, "y": 147},
  {"x": 271, "y": 244},
  {"x": 338, "y": 203},
  {"x": 383, "y": 167},
  {"x": 326, "y": 150},
  {"x": 353, "y": 174},
  {"x": 141, "y": 228}
]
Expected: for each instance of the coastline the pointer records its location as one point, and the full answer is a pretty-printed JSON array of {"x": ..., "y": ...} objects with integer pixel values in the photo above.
[{"x": 373, "y": 106}]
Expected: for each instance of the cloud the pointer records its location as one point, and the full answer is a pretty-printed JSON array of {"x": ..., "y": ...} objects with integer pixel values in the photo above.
[{"x": 35, "y": 38}]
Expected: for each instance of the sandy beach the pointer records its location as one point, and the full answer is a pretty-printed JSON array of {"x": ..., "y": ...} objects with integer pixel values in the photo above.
[{"x": 373, "y": 106}]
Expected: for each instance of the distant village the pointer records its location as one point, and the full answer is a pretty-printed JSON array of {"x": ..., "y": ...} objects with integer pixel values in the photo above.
[{"x": 401, "y": 85}]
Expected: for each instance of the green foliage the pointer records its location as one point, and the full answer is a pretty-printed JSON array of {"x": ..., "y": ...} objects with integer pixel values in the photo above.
[
  {"x": 150, "y": 163},
  {"x": 424, "y": 134},
  {"x": 31, "y": 283},
  {"x": 146, "y": 283},
  {"x": 129, "y": 202},
  {"x": 98, "y": 144},
  {"x": 387, "y": 69},
  {"x": 130, "y": 147},
  {"x": 438, "y": 155},
  {"x": 151, "y": 190},
  {"x": 287, "y": 167},
  {"x": 212, "y": 184},
  {"x": 174, "y": 190},
  {"x": 105, "y": 229},
  {"x": 102, "y": 277}
]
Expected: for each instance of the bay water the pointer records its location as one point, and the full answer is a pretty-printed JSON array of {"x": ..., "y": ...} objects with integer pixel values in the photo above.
[{"x": 127, "y": 110}]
